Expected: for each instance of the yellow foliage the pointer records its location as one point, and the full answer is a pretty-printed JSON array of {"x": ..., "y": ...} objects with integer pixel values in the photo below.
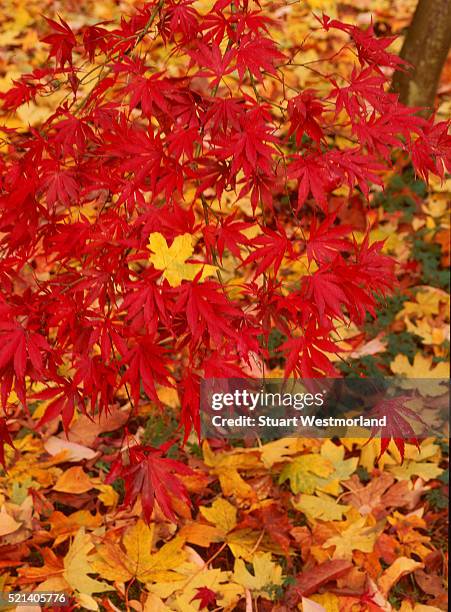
[{"x": 172, "y": 260}]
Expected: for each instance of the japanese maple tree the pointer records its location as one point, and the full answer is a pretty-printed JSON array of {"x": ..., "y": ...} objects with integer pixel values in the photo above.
[{"x": 120, "y": 213}]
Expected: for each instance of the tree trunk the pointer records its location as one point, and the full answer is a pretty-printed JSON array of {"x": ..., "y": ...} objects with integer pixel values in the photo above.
[{"x": 426, "y": 47}]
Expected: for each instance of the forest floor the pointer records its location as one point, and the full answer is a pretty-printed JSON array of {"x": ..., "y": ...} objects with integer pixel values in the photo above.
[{"x": 292, "y": 524}]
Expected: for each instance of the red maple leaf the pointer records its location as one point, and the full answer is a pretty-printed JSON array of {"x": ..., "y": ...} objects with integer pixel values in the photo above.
[
  {"x": 324, "y": 287},
  {"x": 325, "y": 239},
  {"x": 365, "y": 86},
  {"x": 249, "y": 146},
  {"x": 24, "y": 90},
  {"x": 95, "y": 37},
  {"x": 371, "y": 49},
  {"x": 398, "y": 428},
  {"x": 149, "y": 93},
  {"x": 312, "y": 177},
  {"x": 431, "y": 152},
  {"x": 228, "y": 234},
  {"x": 257, "y": 54},
  {"x": 212, "y": 62},
  {"x": 207, "y": 310},
  {"x": 146, "y": 365},
  {"x": 67, "y": 397},
  {"x": 271, "y": 249},
  {"x": 224, "y": 113},
  {"x": 61, "y": 41},
  {"x": 60, "y": 185},
  {"x": 305, "y": 354},
  {"x": 181, "y": 17},
  {"x": 206, "y": 597},
  {"x": 309, "y": 581},
  {"x": 154, "y": 477},
  {"x": 182, "y": 143},
  {"x": 304, "y": 111},
  {"x": 5, "y": 438},
  {"x": 20, "y": 350}
]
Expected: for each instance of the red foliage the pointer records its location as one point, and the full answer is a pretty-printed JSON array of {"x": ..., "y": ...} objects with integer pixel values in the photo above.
[
  {"x": 132, "y": 149},
  {"x": 152, "y": 476}
]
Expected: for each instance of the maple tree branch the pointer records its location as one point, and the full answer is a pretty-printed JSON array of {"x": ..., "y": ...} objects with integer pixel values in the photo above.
[
  {"x": 102, "y": 66},
  {"x": 206, "y": 208}
]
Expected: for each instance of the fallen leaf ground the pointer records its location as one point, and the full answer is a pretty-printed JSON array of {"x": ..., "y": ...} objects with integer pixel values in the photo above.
[{"x": 292, "y": 524}]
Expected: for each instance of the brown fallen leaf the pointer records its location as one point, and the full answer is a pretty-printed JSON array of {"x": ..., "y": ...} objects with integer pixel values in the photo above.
[
  {"x": 434, "y": 561},
  {"x": 309, "y": 581},
  {"x": 85, "y": 430},
  {"x": 366, "y": 498},
  {"x": 402, "y": 494},
  {"x": 429, "y": 583},
  {"x": 381, "y": 494},
  {"x": 387, "y": 548},
  {"x": 303, "y": 539},
  {"x": 353, "y": 581}
]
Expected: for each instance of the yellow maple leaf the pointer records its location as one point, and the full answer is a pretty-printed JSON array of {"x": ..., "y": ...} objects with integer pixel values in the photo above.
[
  {"x": 428, "y": 451},
  {"x": 436, "y": 206},
  {"x": 267, "y": 574},
  {"x": 343, "y": 468},
  {"x": 309, "y": 605},
  {"x": 182, "y": 591},
  {"x": 135, "y": 559},
  {"x": 303, "y": 473},
  {"x": 408, "y": 606},
  {"x": 172, "y": 260},
  {"x": 155, "y": 604},
  {"x": 243, "y": 543},
  {"x": 422, "y": 367},
  {"x": 355, "y": 537},
  {"x": 321, "y": 507},
  {"x": 279, "y": 450},
  {"x": 32, "y": 114},
  {"x": 226, "y": 465},
  {"x": 426, "y": 471},
  {"x": 427, "y": 302},
  {"x": 221, "y": 513},
  {"x": 108, "y": 496},
  {"x": 201, "y": 534},
  {"x": 76, "y": 566},
  {"x": 423, "y": 371},
  {"x": 427, "y": 333}
]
